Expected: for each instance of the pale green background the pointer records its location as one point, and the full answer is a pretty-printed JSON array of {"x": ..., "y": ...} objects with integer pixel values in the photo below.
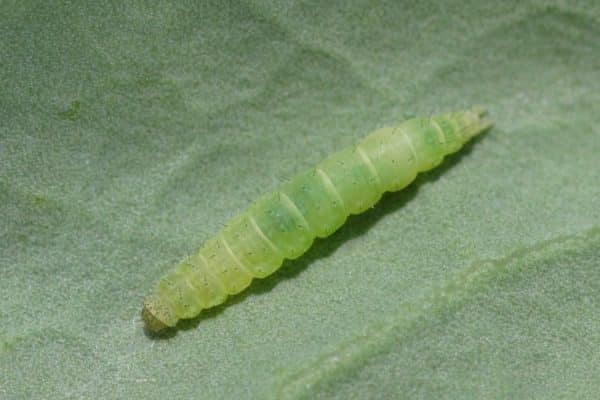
[{"x": 129, "y": 134}]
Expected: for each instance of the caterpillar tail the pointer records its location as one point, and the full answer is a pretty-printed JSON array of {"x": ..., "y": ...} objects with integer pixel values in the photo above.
[{"x": 478, "y": 121}]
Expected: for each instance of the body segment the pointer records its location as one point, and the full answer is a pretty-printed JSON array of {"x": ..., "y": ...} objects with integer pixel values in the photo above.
[{"x": 314, "y": 203}]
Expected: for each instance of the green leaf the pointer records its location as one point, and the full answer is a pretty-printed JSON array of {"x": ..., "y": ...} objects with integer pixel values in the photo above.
[{"x": 129, "y": 134}]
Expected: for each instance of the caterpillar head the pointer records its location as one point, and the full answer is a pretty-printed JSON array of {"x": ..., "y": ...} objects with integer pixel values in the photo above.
[{"x": 157, "y": 314}]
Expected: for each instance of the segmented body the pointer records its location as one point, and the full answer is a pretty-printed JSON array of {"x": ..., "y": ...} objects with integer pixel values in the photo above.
[{"x": 314, "y": 203}]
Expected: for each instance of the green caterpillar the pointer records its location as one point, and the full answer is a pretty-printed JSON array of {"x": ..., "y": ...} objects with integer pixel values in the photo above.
[{"x": 312, "y": 204}]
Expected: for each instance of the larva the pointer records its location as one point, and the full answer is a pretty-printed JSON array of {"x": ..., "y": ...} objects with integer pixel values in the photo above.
[{"x": 312, "y": 204}]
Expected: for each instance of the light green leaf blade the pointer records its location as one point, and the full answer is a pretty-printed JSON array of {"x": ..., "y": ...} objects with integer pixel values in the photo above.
[{"x": 131, "y": 133}]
